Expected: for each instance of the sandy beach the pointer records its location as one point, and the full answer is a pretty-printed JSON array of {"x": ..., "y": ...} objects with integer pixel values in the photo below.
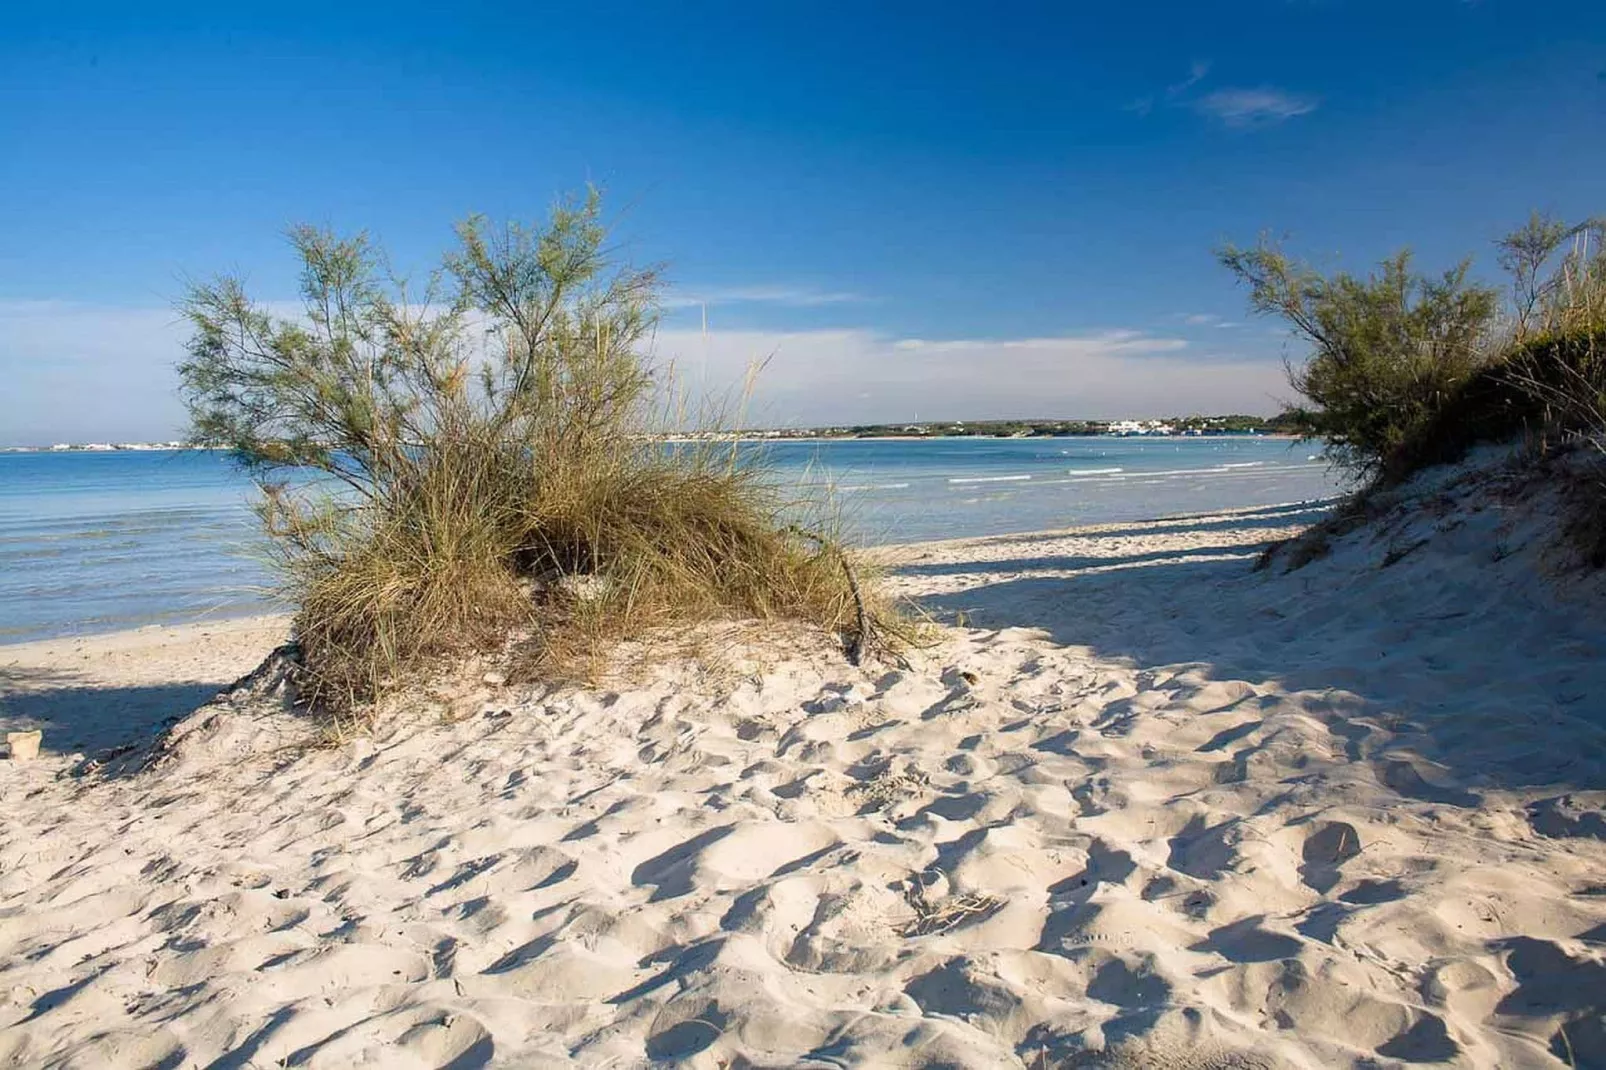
[
  {"x": 803, "y": 538},
  {"x": 1139, "y": 805}
]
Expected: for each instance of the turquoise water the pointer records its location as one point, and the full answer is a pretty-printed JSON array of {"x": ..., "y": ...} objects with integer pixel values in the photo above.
[{"x": 100, "y": 541}]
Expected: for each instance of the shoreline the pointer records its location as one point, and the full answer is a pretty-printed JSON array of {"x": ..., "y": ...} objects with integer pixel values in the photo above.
[
  {"x": 1159, "y": 523},
  {"x": 115, "y": 686},
  {"x": 875, "y": 550},
  {"x": 87, "y": 633},
  {"x": 752, "y": 436},
  {"x": 166, "y": 568}
]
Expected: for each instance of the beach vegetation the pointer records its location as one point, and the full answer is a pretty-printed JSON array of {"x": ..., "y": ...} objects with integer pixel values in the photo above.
[
  {"x": 1386, "y": 350},
  {"x": 1406, "y": 370},
  {"x": 482, "y": 462}
]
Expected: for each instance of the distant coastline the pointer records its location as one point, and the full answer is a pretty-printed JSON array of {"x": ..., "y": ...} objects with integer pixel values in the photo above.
[
  {"x": 1177, "y": 426},
  {"x": 1188, "y": 426},
  {"x": 100, "y": 447}
]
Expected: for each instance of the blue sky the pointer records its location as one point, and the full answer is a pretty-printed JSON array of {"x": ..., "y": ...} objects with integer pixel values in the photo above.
[{"x": 1003, "y": 209}]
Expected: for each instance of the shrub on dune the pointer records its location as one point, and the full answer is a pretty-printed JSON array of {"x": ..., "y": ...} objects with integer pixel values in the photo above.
[
  {"x": 1559, "y": 289},
  {"x": 484, "y": 460},
  {"x": 1407, "y": 370},
  {"x": 1545, "y": 376},
  {"x": 1549, "y": 383},
  {"x": 1387, "y": 350}
]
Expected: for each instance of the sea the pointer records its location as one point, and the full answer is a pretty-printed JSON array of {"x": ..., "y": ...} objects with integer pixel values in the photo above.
[{"x": 101, "y": 541}]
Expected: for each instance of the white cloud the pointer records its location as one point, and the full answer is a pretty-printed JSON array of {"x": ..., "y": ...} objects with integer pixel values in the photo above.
[
  {"x": 861, "y": 376},
  {"x": 1262, "y": 106},
  {"x": 1106, "y": 342},
  {"x": 75, "y": 372},
  {"x": 1208, "y": 319},
  {"x": 86, "y": 372},
  {"x": 784, "y": 296},
  {"x": 1234, "y": 107},
  {"x": 1196, "y": 74}
]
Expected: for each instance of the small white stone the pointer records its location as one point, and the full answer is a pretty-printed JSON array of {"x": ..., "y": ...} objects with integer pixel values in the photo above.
[
  {"x": 24, "y": 746},
  {"x": 586, "y": 588},
  {"x": 494, "y": 679}
]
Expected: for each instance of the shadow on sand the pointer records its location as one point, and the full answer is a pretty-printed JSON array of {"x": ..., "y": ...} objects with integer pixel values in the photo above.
[
  {"x": 1274, "y": 516},
  {"x": 79, "y": 716},
  {"x": 1459, "y": 677}
]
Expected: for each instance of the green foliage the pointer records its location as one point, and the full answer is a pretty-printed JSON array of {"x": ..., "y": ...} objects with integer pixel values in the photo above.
[
  {"x": 1407, "y": 371},
  {"x": 1571, "y": 297},
  {"x": 527, "y": 337},
  {"x": 1387, "y": 349},
  {"x": 1549, "y": 381},
  {"x": 457, "y": 461}
]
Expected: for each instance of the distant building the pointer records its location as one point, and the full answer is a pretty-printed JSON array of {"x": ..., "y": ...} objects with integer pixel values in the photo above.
[{"x": 1140, "y": 427}]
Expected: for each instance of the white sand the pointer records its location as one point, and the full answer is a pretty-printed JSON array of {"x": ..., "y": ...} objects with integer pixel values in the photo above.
[{"x": 1148, "y": 809}]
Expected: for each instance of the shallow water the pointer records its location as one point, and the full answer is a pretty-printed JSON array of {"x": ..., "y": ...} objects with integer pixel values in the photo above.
[
  {"x": 100, "y": 541},
  {"x": 909, "y": 491}
]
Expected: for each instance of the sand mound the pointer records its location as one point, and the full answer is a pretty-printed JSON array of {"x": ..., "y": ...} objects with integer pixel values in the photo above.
[{"x": 1148, "y": 809}]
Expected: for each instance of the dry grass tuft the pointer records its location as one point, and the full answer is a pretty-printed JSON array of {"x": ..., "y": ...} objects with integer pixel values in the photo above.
[
  {"x": 932, "y": 917},
  {"x": 488, "y": 470},
  {"x": 888, "y": 789},
  {"x": 1583, "y": 523}
]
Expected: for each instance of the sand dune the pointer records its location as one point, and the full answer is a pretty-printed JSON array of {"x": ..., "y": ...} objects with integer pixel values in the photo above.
[{"x": 1144, "y": 808}]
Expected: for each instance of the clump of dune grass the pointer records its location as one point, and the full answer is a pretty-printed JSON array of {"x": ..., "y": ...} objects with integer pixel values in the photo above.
[{"x": 482, "y": 465}]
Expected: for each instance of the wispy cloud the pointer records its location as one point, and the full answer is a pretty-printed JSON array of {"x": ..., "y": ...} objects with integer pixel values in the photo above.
[
  {"x": 1262, "y": 106},
  {"x": 781, "y": 295},
  {"x": 1101, "y": 343},
  {"x": 1236, "y": 107},
  {"x": 83, "y": 371},
  {"x": 1207, "y": 319},
  {"x": 1196, "y": 74}
]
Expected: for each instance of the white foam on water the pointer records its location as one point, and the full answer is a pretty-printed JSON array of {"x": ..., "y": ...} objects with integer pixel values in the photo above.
[
  {"x": 1094, "y": 471},
  {"x": 1216, "y": 470},
  {"x": 990, "y": 479}
]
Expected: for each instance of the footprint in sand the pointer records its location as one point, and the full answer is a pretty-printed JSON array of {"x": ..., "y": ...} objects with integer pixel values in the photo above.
[{"x": 1326, "y": 850}]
